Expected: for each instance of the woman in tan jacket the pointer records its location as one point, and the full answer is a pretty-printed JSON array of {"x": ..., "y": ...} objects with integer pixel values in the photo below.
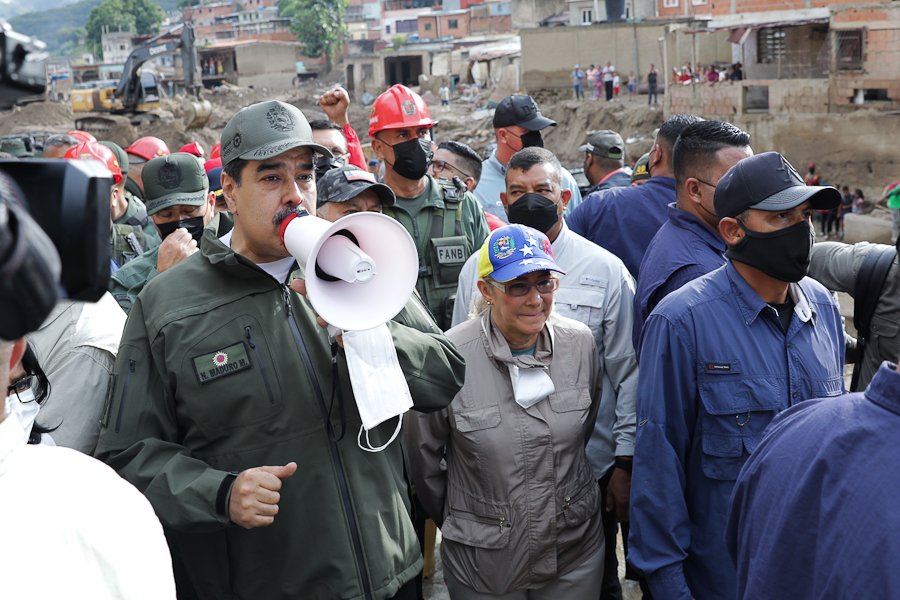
[{"x": 517, "y": 503}]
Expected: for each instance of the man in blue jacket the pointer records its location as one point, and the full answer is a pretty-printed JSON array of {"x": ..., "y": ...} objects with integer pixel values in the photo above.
[
  {"x": 688, "y": 244},
  {"x": 720, "y": 358},
  {"x": 624, "y": 219}
]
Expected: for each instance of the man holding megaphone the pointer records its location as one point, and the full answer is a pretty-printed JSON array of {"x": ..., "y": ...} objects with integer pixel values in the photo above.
[{"x": 233, "y": 412}]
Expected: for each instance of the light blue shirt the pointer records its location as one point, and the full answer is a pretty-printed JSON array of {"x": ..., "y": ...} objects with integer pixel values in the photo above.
[{"x": 493, "y": 182}]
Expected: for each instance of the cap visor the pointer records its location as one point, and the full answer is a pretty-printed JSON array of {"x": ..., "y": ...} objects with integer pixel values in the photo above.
[
  {"x": 537, "y": 123},
  {"x": 383, "y": 192},
  {"x": 586, "y": 148},
  {"x": 820, "y": 197},
  {"x": 270, "y": 150},
  {"x": 523, "y": 267},
  {"x": 176, "y": 199}
]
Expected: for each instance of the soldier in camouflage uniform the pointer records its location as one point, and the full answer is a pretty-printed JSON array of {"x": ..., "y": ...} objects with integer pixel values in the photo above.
[
  {"x": 180, "y": 205},
  {"x": 444, "y": 219}
]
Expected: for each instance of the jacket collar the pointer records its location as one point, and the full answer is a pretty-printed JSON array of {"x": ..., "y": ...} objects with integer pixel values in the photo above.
[
  {"x": 685, "y": 220},
  {"x": 751, "y": 304},
  {"x": 497, "y": 348},
  {"x": 884, "y": 389}
]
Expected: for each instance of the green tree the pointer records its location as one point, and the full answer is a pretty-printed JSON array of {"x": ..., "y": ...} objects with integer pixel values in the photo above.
[
  {"x": 318, "y": 25},
  {"x": 142, "y": 16}
]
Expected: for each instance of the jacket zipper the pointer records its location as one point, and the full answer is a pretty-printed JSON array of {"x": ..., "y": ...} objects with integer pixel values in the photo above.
[
  {"x": 501, "y": 521},
  {"x": 131, "y": 367},
  {"x": 336, "y": 460},
  {"x": 248, "y": 331}
]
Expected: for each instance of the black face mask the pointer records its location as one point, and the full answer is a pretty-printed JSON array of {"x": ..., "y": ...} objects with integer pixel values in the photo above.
[
  {"x": 194, "y": 226},
  {"x": 782, "y": 254},
  {"x": 535, "y": 211},
  {"x": 412, "y": 158},
  {"x": 532, "y": 139},
  {"x": 323, "y": 164}
]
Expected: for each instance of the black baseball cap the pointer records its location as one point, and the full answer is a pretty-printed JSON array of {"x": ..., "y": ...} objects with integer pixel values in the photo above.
[
  {"x": 769, "y": 182},
  {"x": 348, "y": 182},
  {"x": 521, "y": 111}
]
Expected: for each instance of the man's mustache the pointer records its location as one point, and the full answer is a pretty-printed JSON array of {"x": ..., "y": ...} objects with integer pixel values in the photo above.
[{"x": 284, "y": 213}]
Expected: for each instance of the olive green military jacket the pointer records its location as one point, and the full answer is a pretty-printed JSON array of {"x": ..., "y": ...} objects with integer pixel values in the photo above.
[
  {"x": 126, "y": 283},
  {"x": 136, "y": 215},
  {"x": 448, "y": 229},
  {"x": 133, "y": 233},
  {"x": 222, "y": 368}
]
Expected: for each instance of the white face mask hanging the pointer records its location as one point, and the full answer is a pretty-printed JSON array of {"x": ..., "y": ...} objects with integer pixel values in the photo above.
[
  {"x": 379, "y": 385},
  {"x": 25, "y": 409},
  {"x": 530, "y": 386}
]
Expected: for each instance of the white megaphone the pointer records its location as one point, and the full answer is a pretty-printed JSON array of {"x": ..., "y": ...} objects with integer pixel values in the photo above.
[{"x": 360, "y": 270}]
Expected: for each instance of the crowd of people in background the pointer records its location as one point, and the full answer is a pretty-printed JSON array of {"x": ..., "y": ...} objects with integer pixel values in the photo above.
[{"x": 637, "y": 358}]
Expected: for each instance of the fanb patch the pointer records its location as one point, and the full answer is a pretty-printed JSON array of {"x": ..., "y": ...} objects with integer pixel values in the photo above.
[
  {"x": 169, "y": 176},
  {"x": 220, "y": 363}
]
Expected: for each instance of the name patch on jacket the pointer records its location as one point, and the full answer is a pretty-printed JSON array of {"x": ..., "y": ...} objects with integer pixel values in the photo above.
[
  {"x": 450, "y": 255},
  {"x": 220, "y": 363},
  {"x": 717, "y": 367}
]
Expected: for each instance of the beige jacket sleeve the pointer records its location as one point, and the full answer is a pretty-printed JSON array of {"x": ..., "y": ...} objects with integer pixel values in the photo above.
[{"x": 425, "y": 437}]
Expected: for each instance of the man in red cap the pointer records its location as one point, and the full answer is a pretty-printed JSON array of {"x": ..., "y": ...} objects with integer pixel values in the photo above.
[
  {"x": 139, "y": 152},
  {"x": 444, "y": 219}
]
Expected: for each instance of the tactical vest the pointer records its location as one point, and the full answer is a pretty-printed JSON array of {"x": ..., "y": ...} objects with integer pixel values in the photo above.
[{"x": 443, "y": 254}]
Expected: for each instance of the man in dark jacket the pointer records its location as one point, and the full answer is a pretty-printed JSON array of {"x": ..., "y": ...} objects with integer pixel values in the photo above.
[{"x": 233, "y": 412}]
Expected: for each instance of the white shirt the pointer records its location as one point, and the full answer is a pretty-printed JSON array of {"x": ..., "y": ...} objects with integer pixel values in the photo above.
[
  {"x": 277, "y": 269},
  {"x": 596, "y": 290},
  {"x": 70, "y": 527},
  {"x": 608, "y": 73}
]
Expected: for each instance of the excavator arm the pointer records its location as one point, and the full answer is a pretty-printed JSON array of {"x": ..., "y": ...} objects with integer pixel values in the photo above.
[{"x": 129, "y": 89}]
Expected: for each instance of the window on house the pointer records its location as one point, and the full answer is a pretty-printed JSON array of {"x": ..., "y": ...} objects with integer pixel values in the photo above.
[
  {"x": 407, "y": 26},
  {"x": 387, "y": 29},
  {"x": 587, "y": 16},
  {"x": 699, "y": 2},
  {"x": 452, "y": 24},
  {"x": 770, "y": 45},
  {"x": 670, "y": 3},
  {"x": 427, "y": 26},
  {"x": 849, "y": 49}
]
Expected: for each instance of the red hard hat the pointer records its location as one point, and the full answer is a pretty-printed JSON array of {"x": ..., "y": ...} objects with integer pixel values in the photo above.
[
  {"x": 148, "y": 148},
  {"x": 193, "y": 148},
  {"x": 96, "y": 151},
  {"x": 398, "y": 108},
  {"x": 212, "y": 163},
  {"x": 216, "y": 151},
  {"x": 82, "y": 136}
]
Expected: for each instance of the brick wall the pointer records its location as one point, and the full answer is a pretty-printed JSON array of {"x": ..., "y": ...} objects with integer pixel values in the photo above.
[{"x": 725, "y": 100}]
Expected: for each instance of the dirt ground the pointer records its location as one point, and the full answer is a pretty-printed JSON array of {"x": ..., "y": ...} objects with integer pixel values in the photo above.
[
  {"x": 461, "y": 122},
  {"x": 855, "y": 149}
]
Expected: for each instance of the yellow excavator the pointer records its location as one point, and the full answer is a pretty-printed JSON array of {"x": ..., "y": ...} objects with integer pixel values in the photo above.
[{"x": 135, "y": 99}]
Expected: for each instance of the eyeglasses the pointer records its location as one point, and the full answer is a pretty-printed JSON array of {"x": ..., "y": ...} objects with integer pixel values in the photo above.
[
  {"x": 21, "y": 386},
  {"x": 440, "y": 165},
  {"x": 518, "y": 289},
  {"x": 712, "y": 185}
]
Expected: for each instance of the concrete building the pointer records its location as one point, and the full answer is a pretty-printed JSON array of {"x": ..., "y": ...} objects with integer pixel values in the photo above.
[
  {"x": 820, "y": 59},
  {"x": 548, "y": 53},
  {"x": 267, "y": 64},
  {"x": 237, "y": 20},
  {"x": 116, "y": 45},
  {"x": 443, "y": 24},
  {"x": 493, "y": 17},
  {"x": 530, "y": 13}
]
